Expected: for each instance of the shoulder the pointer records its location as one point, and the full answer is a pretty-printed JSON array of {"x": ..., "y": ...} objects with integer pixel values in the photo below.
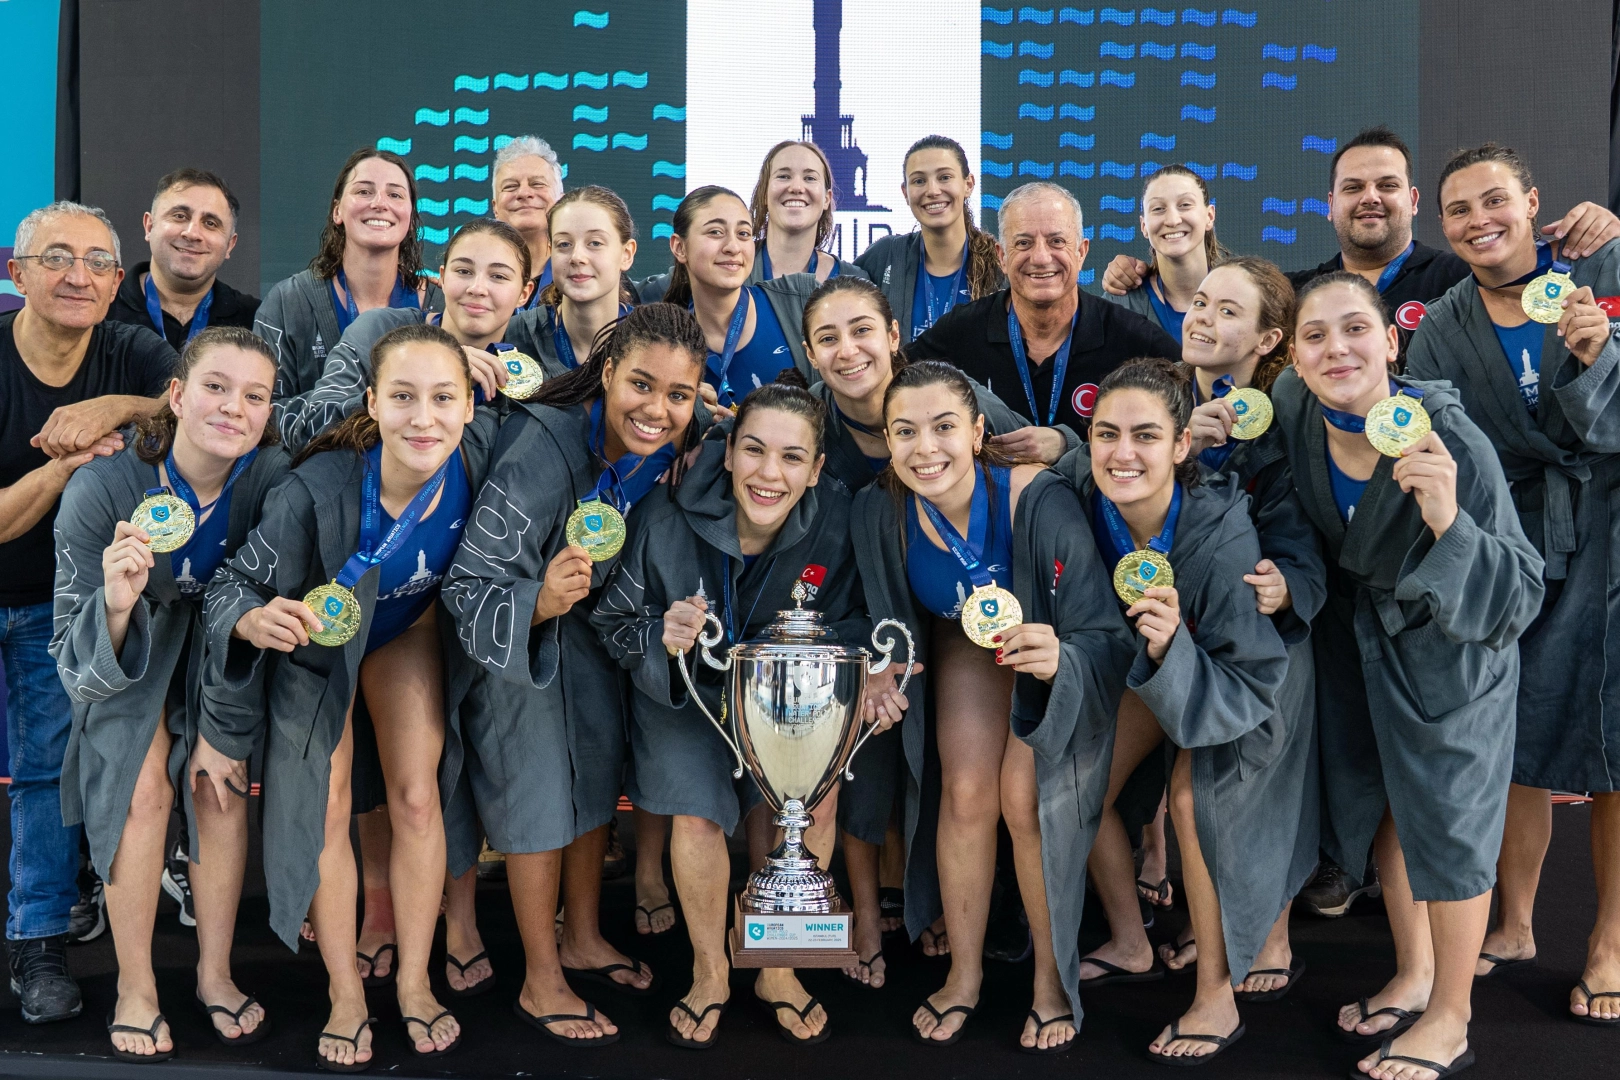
[
  {"x": 371, "y": 325},
  {"x": 1298, "y": 278},
  {"x": 1122, "y": 323},
  {"x": 231, "y": 303},
  {"x": 99, "y": 479},
  {"x": 327, "y": 472},
  {"x": 886, "y": 252},
  {"x": 977, "y": 313},
  {"x": 793, "y": 289},
  {"x": 302, "y": 284},
  {"x": 131, "y": 341},
  {"x": 852, "y": 269},
  {"x": 1601, "y": 269},
  {"x": 1135, "y": 300}
]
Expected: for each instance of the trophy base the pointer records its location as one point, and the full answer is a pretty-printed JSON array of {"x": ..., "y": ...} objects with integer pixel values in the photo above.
[{"x": 792, "y": 939}]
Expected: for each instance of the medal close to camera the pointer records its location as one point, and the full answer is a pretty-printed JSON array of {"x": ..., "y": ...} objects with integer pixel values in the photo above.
[{"x": 796, "y": 694}]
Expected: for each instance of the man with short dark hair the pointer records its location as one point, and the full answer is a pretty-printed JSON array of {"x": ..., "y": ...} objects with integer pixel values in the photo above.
[{"x": 191, "y": 229}]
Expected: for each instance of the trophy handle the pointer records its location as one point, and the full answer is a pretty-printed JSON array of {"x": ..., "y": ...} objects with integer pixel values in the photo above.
[
  {"x": 706, "y": 640},
  {"x": 886, "y": 647}
]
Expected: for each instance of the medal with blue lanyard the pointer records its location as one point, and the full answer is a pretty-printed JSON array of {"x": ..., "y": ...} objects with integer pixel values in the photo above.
[
  {"x": 1060, "y": 365},
  {"x": 154, "y": 311},
  {"x": 1252, "y": 415},
  {"x": 401, "y": 297},
  {"x": 989, "y": 610},
  {"x": 597, "y": 523},
  {"x": 1392, "y": 425},
  {"x": 169, "y": 515},
  {"x": 1544, "y": 297},
  {"x": 739, "y": 317},
  {"x": 524, "y": 375},
  {"x": 958, "y": 283},
  {"x": 564, "y": 344},
  {"x": 1143, "y": 568},
  {"x": 335, "y": 605}
]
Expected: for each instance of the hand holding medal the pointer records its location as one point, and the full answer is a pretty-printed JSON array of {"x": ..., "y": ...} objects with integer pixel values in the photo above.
[
  {"x": 166, "y": 521},
  {"x": 1584, "y": 326},
  {"x": 567, "y": 582},
  {"x": 524, "y": 375},
  {"x": 1397, "y": 422},
  {"x": 1543, "y": 299},
  {"x": 990, "y": 610},
  {"x": 124, "y": 566},
  {"x": 1158, "y": 615},
  {"x": 1428, "y": 472}
]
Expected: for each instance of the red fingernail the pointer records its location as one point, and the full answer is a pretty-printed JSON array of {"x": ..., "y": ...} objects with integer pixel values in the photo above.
[{"x": 996, "y": 638}]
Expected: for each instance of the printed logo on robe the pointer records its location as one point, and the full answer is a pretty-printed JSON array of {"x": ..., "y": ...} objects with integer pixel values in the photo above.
[
  {"x": 1611, "y": 308},
  {"x": 1409, "y": 314},
  {"x": 318, "y": 350},
  {"x": 812, "y": 577},
  {"x": 1402, "y": 416},
  {"x": 1057, "y": 574},
  {"x": 1084, "y": 399},
  {"x": 887, "y": 270}
]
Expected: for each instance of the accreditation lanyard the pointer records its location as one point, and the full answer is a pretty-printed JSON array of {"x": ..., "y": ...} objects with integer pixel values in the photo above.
[
  {"x": 1216, "y": 456},
  {"x": 1387, "y": 278},
  {"x": 178, "y": 484},
  {"x": 1357, "y": 425},
  {"x": 958, "y": 283},
  {"x": 850, "y": 422},
  {"x": 813, "y": 268},
  {"x": 624, "y": 482},
  {"x": 968, "y": 552},
  {"x": 1120, "y": 536},
  {"x": 154, "y": 311},
  {"x": 1060, "y": 364},
  {"x": 725, "y": 588},
  {"x": 1545, "y": 263},
  {"x": 372, "y": 553},
  {"x": 739, "y": 316},
  {"x": 401, "y": 297},
  {"x": 559, "y": 337}
]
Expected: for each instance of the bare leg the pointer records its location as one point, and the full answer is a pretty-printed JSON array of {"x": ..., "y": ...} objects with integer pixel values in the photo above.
[
  {"x": 1020, "y": 806},
  {"x": 861, "y": 860},
  {"x": 703, "y": 880},
  {"x": 461, "y": 937},
  {"x": 332, "y": 913},
  {"x": 1603, "y": 947},
  {"x": 653, "y": 915},
  {"x": 583, "y": 945},
  {"x": 1518, "y": 873},
  {"x": 533, "y": 879},
  {"x": 377, "y": 926},
  {"x": 1155, "y": 858},
  {"x": 1112, "y": 869},
  {"x": 892, "y": 870},
  {"x": 782, "y": 984},
  {"x": 132, "y": 897},
  {"x": 216, "y": 889},
  {"x": 1414, "y": 946}
]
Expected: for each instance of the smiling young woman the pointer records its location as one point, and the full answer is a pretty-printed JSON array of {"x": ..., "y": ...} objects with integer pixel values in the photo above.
[
  {"x": 792, "y": 210},
  {"x": 1178, "y": 222}
]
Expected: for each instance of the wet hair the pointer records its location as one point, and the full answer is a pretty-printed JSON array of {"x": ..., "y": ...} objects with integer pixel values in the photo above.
[
  {"x": 1369, "y": 293},
  {"x": 359, "y": 431},
  {"x": 623, "y": 224},
  {"x": 1171, "y": 384},
  {"x": 1213, "y": 251},
  {"x": 984, "y": 267},
  {"x": 1276, "y": 312},
  {"x": 915, "y": 376},
  {"x": 759, "y": 206},
  {"x": 1483, "y": 154},
  {"x": 329, "y": 259},
  {"x": 868, "y": 292},
  {"x": 500, "y": 230},
  {"x": 680, "y": 278},
  {"x": 1373, "y": 136},
  {"x": 189, "y": 177},
  {"x": 154, "y": 435},
  {"x": 790, "y": 393}
]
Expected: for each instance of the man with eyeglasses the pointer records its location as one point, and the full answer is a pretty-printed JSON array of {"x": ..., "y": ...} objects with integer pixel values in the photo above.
[{"x": 68, "y": 382}]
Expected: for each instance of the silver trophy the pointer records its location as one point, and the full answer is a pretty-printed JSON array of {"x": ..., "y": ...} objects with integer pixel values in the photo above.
[{"x": 795, "y": 695}]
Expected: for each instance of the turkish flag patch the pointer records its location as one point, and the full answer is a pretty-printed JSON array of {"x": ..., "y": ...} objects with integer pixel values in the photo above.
[
  {"x": 1084, "y": 399},
  {"x": 1611, "y": 308},
  {"x": 1057, "y": 574},
  {"x": 812, "y": 577},
  {"x": 1410, "y": 314}
]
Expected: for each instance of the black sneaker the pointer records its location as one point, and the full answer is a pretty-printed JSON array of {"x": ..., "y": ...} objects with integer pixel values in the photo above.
[
  {"x": 88, "y": 919},
  {"x": 177, "y": 883},
  {"x": 1329, "y": 894},
  {"x": 40, "y": 979}
]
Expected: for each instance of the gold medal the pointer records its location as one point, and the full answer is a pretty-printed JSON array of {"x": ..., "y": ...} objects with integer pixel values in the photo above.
[
  {"x": 1542, "y": 298},
  {"x": 1396, "y": 423},
  {"x": 338, "y": 611},
  {"x": 167, "y": 520},
  {"x": 524, "y": 375},
  {"x": 1139, "y": 571},
  {"x": 991, "y": 610},
  {"x": 1253, "y": 410},
  {"x": 596, "y": 527}
]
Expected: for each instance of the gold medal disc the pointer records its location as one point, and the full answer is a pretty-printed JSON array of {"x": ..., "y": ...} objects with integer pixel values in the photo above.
[
  {"x": 990, "y": 611},
  {"x": 596, "y": 527},
  {"x": 1542, "y": 298},
  {"x": 338, "y": 611},
  {"x": 167, "y": 520},
  {"x": 524, "y": 375},
  {"x": 1253, "y": 410},
  {"x": 1396, "y": 423},
  {"x": 1139, "y": 571}
]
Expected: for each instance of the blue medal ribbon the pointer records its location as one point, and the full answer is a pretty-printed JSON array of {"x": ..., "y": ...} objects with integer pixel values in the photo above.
[
  {"x": 739, "y": 317},
  {"x": 401, "y": 297},
  {"x": 560, "y": 339},
  {"x": 849, "y": 421},
  {"x": 178, "y": 483},
  {"x": 967, "y": 552},
  {"x": 1387, "y": 278},
  {"x": 1216, "y": 457},
  {"x": 1545, "y": 263},
  {"x": 625, "y": 481},
  {"x": 1120, "y": 536},
  {"x": 1060, "y": 364},
  {"x": 1356, "y": 425},
  {"x": 958, "y": 283},
  {"x": 1221, "y": 387},
  {"x": 154, "y": 311},
  {"x": 813, "y": 268},
  {"x": 372, "y": 553}
]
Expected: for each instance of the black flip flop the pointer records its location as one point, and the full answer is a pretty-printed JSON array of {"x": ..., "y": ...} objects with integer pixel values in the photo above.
[
  {"x": 1161, "y": 892},
  {"x": 539, "y": 1023},
  {"x": 150, "y": 1033},
  {"x": 356, "y": 1067},
  {"x": 1458, "y": 1063},
  {"x": 1176, "y": 949},
  {"x": 1117, "y": 974},
  {"x": 371, "y": 982},
  {"x": 428, "y": 1024},
  {"x": 1222, "y": 1044},
  {"x": 1042, "y": 1025},
  {"x": 867, "y": 964},
  {"x": 1598, "y": 1021},
  {"x": 967, "y": 1012},
  {"x": 804, "y": 1015},
  {"x": 650, "y": 912},
  {"x": 482, "y": 986},
  {"x": 244, "y": 1039},
  {"x": 674, "y": 1037},
  {"x": 1275, "y": 993},
  {"x": 1499, "y": 962},
  {"x": 934, "y": 937},
  {"x": 1403, "y": 1020},
  {"x": 604, "y": 977}
]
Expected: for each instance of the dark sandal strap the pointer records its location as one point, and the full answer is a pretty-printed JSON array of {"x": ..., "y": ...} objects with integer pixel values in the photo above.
[
  {"x": 1270, "y": 971},
  {"x": 372, "y": 959},
  {"x": 1177, "y": 1033},
  {"x": 150, "y": 1033},
  {"x": 1042, "y": 1025},
  {"x": 462, "y": 967},
  {"x": 1422, "y": 1063},
  {"x": 1587, "y": 990},
  {"x": 1161, "y": 890},
  {"x": 803, "y": 1014},
  {"x": 352, "y": 1039},
  {"x": 408, "y": 1020},
  {"x": 650, "y": 912},
  {"x": 939, "y": 1017},
  {"x": 697, "y": 1017},
  {"x": 557, "y": 1018},
  {"x": 1387, "y": 1010},
  {"x": 236, "y": 1017},
  {"x": 1177, "y": 948}
]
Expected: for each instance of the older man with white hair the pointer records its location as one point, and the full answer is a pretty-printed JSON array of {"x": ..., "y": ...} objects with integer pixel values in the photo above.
[
  {"x": 1041, "y": 345},
  {"x": 68, "y": 382},
  {"x": 528, "y": 179}
]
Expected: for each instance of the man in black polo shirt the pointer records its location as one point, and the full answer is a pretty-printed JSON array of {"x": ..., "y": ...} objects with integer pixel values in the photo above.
[
  {"x": 68, "y": 381},
  {"x": 191, "y": 230},
  {"x": 1042, "y": 330}
]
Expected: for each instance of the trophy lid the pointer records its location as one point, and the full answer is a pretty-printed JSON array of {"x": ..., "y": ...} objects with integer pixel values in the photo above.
[{"x": 799, "y": 631}]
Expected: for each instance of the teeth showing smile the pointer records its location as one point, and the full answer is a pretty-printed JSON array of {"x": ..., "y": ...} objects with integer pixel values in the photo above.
[
  {"x": 935, "y": 207},
  {"x": 1179, "y": 234},
  {"x": 851, "y": 372},
  {"x": 647, "y": 429},
  {"x": 1202, "y": 339},
  {"x": 795, "y": 203},
  {"x": 377, "y": 223},
  {"x": 766, "y": 495},
  {"x": 928, "y": 472},
  {"x": 1125, "y": 474},
  {"x": 1488, "y": 238}
]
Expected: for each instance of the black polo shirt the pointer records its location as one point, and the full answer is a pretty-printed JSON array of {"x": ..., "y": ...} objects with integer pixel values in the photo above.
[
  {"x": 230, "y": 308},
  {"x": 1426, "y": 276},
  {"x": 974, "y": 338}
]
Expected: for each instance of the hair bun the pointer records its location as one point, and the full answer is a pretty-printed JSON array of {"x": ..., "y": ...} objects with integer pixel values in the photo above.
[{"x": 792, "y": 376}]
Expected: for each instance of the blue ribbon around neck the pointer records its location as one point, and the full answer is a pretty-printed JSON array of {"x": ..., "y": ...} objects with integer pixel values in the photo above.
[
  {"x": 401, "y": 297},
  {"x": 178, "y": 484},
  {"x": 958, "y": 283},
  {"x": 372, "y": 552},
  {"x": 967, "y": 552},
  {"x": 154, "y": 310},
  {"x": 1356, "y": 425},
  {"x": 1060, "y": 364},
  {"x": 625, "y": 481},
  {"x": 1120, "y": 536}
]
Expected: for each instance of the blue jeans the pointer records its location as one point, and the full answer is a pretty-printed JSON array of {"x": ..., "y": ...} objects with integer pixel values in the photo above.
[{"x": 44, "y": 852}]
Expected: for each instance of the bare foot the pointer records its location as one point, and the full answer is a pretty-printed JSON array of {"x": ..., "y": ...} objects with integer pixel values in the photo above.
[
  {"x": 782, "y": 985},
  {"x": 1214, "y": 1017},
  {"x": 429, "y": 1034},
  {"x": 873, "y": 970},
  {"x": 1048, "y": 1032},
  {"x": 380, "y": 947},
  {"x": 1436, "y": 1041},
  {"x": 567, "y": 1003},
  {"x": 1518, "y": 946},
  {"x": 226, "y": 994},
  {"x": 948, "y": 1023},
  {"x": 934, "y": 940},
  {"x": 597, "y": 953},
  {"x": 1413, "y": 998},
  {"x": 139, "y": 1010},
  {"x": 891, "y": 902},
  {"x": 1601, "y": 999},
  {"x": 1279, "y": 957},
  {"x": 707, "y": 990},
  {"x": 654, "y": 913},
  {"x": 307, "y": 932},
  {"x": 462, "y": 942},
  {"x": 1137, "y": 962},
  {"x": 1184, "y": 953},
  {"x": 346, "y": 1038}
]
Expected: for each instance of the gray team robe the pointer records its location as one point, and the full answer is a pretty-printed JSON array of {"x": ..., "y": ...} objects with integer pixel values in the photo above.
[
  {"x": 756, "y": 276},
  {"x": 117, "y": 698},
  {"x": 893, "y": 264},
  {"x": 680, "y": 544},
  {"x": 1059, "y": 580},
  {"x": 310, "y": 527},
  {"x": 1136, "y": 300},
  {"x": 1564, "y": 467},
  {"x": 531, "y": 332},
  {"x": 1424, "y": 721}
]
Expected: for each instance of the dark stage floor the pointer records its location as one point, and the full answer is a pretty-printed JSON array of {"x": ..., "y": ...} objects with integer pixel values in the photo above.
[{"x": 1520, "y": 1027}]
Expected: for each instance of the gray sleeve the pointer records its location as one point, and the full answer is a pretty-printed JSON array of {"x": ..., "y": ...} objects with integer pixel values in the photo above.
[
  {"x": 630, "y": 623},
  {"x": 271, "y": 322},
  {"x": 1588, "y": 395},
  {"x": 341, "y": 388},
  {"x": 89, "y": 668}
]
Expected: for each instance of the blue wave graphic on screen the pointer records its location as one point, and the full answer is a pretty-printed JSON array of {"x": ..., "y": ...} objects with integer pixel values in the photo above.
[
  {"x": 670, "y": 112},
  {"x": 1036, "y": 49},
  {"x": 1035, "y": 15},
  {"x": 1036, "y": 169},
  {"x": 622, "y": 141},
  {"x": 1116, "y": 16},
  {"x": 1078, "y": 142},
  {"x": 1233, "y": 171},
  {"x": 662, "y": 230},
  {"x": 1318, "y": 52},
  {"x": 1119, "y": 169},
  {"x": 1278, "y": 236},
  {"x": 472, "y": 206},
  {"x": 429, "y": 116},
  {"x": 670, "y": 169},
  {"x": 479, "y": 173},
  {"x": 1207, "y": 172},
  {"x": 597, "y": 143},
  {"x": 1083, "y": 113},
  {"x": 1201, "y": 18},
  {"x": 1193, "y": 112},
  {"x": 1077, "y": 17},
  {"x": 395, "y": 146},
  {"x": 1199, "y": 79},
  {"x": 1279, "y": 206},
  {"x": 1116, "y": 232},
  {"x": 1087, "y": 276},
  {"x": 1027, "y": 111},
  {"x": 1158, "y": 52},
  {"x": 1157, "y": 17},
  {"x": 1116, "y": 204},
  {"x": 1149, "y": 168},
  {"x": 1027, "y": 77},
  {"x": 467, "y": 82},
  {"x": 433, "y": 236},
  {"x": 1117, "y": 78},
  {"x": 591, "y": 19},
  {"x": 437, "y": 175},
  {"x": 595, "y": 82},
  {"x": 1233, "y": 17},
  {"x": 1281, "y": 82},
  {"x": 475, "y": 117},
  {"x": 1319, "y": 144},
  {"x": 1278, "y": 52},
  {"x": 1000, "y": 142},
  {"x": 1074, "y": 168},
  {"x": 996, "y": 49},
  {"x": 595, "y": 116},
  {"x": 996, "y": 168},
  {"x": 471, "y": 145},
  {"x": 1115, "y": 49},
  {"x": 503, "y": 81},
  {"x": 997, "y": 16},
  {"x": 1070, "y": 77},
  {"x": 1198, "y": 52},
  {"x": 436, "y": 207},
  {"x": 550, "y": 81},
  {"x": 635, "y": 80},
  {"x": 665, "y": 202},
  {"x": 1314, "y": 206},
  {"x": 1158, "y": 142}
]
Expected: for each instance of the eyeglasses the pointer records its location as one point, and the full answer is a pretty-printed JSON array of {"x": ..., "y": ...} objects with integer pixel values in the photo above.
[{"x": 100, "y": 263}]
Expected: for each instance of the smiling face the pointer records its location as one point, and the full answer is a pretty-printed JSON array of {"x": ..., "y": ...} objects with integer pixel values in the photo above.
[
  {"x": 797, "y": 193},
  {"x": 224, "y": 402},
  {"x": 1175, "y": 217},
  {"x": 421, "y": 403},
  {"x": 191, "y": 232},
  {"x": 588, "y": 256},
  {"x": 1487, "y": 215},
  {"x": 525, "y": 189},
  {"x": 772, "y": 459},
  {"x": 375, "y": 207},
  {"x": 1041, "y": 248},
  {"x": 648, "y": 394},
  {"x": 1373, "y": 200},
  {"x": 933, "y": 437},
  {"x": 1134, "y": 446},
  {"x": 1222, "y": 327},
  {"x": 483, "y": 285},
  {"x": 74, "y": 298},
  {"x": 1342, "y": 349},
  {"x": 936, "y": 188},
  {"x": 718, "y": 249},
  {"x": 849, "y": 346}
]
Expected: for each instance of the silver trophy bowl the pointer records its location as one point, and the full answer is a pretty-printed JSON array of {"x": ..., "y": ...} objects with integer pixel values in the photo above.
[{"x": 795, "y": 696}]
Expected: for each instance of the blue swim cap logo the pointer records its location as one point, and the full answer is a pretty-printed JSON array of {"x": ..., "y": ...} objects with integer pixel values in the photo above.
[
  {"x": 1403, "y": 417},
  {"x": 593, "y": 522},
  {"x": 334, "y": 606},
  {"x": 160, "y": 513},
  {"x": 514, "y": 367},
  {"x": 990, "y": 608},
  {"x": 1147, "y": 571},
  {"x": 756, "y": 931}
]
